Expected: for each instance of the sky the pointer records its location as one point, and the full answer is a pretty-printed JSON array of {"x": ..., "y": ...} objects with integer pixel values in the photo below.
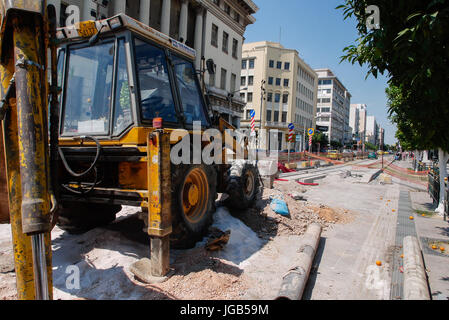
[{"x": 318, "y": 32}]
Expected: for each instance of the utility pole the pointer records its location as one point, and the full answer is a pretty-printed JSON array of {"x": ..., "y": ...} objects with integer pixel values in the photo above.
[{"x": 262, "y": 98}]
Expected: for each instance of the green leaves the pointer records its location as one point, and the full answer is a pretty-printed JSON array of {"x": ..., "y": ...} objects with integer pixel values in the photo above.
[{"x": 412, "y": 46}]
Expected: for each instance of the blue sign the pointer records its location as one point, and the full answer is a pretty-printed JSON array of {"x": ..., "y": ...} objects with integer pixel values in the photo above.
[
  {"x": 291, "y": 126},
  {"x": 252, "y": 113}
]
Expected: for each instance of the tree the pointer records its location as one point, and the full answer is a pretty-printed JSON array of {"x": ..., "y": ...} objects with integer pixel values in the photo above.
[
  {"x": 336, "y": 144},
  {"x": 412, "y": 48},
  {"x": 321, "y": 139},
  {"x": 370, "y": 146}
]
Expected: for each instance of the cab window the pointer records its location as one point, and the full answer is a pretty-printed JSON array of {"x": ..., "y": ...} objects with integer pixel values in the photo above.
[
  {"x": 122, "y": 113},
  {"x": 87, "y": 102},
  {"x": 191, "y": 98},
  {"x": 156, "y": 98}
]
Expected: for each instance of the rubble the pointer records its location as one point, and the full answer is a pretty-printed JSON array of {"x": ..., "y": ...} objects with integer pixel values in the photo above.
[
  {"x": 267, "y": 224},
  {"x": 217, "y": 239}
]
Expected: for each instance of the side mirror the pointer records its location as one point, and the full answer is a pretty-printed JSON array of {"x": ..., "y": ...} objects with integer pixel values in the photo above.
[{"x": 211, "y": 66}]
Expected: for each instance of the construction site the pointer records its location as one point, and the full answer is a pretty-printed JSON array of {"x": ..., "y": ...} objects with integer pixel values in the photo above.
[{"x": 118, "y": 194}]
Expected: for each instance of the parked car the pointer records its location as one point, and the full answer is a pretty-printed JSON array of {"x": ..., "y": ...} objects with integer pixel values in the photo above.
[
  {"x": 372, "y": 155},
  {"x": 332, "y": 154}
]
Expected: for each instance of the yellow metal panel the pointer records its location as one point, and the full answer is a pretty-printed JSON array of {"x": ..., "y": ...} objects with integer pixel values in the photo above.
[
  {"x": 159, "y": 179},
  {"x": 133, "y": 175}
]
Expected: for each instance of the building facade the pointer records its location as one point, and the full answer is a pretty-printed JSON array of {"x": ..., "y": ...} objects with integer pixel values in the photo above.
[
  {"x": 287, "y": 95},
  {"x": 214, "y": 28},
  {"x": 372, "y": 130},
  {"x": 357, "y": 121},
  {"x": 333, "y": 109},
  {"x": 381, "y": 135}
]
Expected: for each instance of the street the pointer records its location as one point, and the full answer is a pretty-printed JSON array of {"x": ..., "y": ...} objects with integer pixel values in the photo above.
[{"x": 360, "y": 222}]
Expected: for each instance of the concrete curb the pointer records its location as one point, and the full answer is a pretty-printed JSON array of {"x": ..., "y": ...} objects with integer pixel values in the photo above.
[
  {"x": 294, "y": 282},
  {"x": 371, "y": 175},
  {"x": 415, "y": 278}
]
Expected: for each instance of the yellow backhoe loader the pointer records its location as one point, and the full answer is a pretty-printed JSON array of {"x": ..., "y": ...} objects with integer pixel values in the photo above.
[{"x": 98, "y": 130}]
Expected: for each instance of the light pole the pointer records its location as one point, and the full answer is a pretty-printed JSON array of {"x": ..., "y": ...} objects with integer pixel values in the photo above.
[
  {"x": 98, "y": 4},
  {"x": 231, "y": 95},
  {"x": 262, "y": 97}
]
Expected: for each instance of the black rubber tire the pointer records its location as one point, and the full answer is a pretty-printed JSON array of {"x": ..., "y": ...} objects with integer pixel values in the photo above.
[
  {"x": 185, "y": 233},
  {"x": 235, "y": 187},
  {"x": 77, "y": 217}
]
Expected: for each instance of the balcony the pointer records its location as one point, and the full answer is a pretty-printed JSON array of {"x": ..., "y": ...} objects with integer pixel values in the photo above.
[{"x": 278, "y": 125}]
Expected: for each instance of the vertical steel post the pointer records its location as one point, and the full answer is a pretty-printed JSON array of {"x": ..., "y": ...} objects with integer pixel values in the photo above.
[{"x": 159, "y": 198}]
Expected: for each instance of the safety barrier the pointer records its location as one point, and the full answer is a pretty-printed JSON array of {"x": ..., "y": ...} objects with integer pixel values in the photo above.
[
  {"x": 408, "y": 171},
  {"x": 434, "y": 184}
]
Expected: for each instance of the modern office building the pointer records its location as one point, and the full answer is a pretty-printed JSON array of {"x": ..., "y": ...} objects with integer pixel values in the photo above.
[
  {"x": 333, "y": 108},
  {"x": 372, "y": 130},
  {"x": 357, "y": 121},
  {"x": 381, "y": 135},
  {"x": 214, "y": 28},
  {"x": 290, "y": 94}
]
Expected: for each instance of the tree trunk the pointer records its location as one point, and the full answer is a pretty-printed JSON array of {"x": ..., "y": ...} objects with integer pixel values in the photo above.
[
  {"x": 416, "y": 159},
  {"x": 443, "y": 157},
  {"x": 425, "y": 157}
]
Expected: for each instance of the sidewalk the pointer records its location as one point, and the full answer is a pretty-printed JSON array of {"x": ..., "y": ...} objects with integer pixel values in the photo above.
[{"x": 433, "y": 230}]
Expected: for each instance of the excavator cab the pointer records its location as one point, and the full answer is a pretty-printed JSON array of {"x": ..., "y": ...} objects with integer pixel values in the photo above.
[{"x": 126, "y": 80}]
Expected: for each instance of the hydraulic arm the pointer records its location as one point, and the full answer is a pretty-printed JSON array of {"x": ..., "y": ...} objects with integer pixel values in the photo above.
[{"x": 24, "y": 43}]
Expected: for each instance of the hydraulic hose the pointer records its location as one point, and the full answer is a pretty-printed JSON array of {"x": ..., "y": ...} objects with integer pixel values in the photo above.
[
  {"x": 82, "y": 174},
  {"x": 94, "y": 163}
]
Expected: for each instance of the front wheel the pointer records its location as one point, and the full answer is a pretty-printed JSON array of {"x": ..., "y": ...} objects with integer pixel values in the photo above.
[{"x": 194, "y": 189}]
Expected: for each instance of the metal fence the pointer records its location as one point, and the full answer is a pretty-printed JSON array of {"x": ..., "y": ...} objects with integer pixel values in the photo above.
[
  {"x": 434, "y": 184},
  {"x": 434, "y": 189}
]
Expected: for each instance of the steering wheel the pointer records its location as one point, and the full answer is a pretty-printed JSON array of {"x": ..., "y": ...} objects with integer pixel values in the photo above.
[{"x": 153, "y": 106}]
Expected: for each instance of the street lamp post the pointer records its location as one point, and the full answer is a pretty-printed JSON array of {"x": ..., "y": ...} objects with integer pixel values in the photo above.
[
  {"x": 262, "y": 97},
  {"x": 231, "y": 95}
]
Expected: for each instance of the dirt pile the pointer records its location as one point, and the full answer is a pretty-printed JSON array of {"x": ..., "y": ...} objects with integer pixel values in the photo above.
[
  {"x": 202, "y": 276},
  {"x": 267, "y": 224}
]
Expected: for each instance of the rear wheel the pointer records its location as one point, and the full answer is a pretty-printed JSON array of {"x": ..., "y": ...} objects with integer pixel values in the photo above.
[
  {"x": 193, "y": 203},
  {"x": 76, "y": 217},
  {"x": 243, "y": 186}
]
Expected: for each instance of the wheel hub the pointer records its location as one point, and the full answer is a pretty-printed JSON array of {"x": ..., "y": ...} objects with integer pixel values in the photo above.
[
  {"x": 249, "y": 184},
  {"x": 193, "y": 195}
]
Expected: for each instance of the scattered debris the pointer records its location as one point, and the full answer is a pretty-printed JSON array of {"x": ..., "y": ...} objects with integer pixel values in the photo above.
[
  {"x": 279, "y": 206},
  {"x": 346, "y": 174},
  {"x": 217, "y": 239},
  {"x": 296, "y": 196}
]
